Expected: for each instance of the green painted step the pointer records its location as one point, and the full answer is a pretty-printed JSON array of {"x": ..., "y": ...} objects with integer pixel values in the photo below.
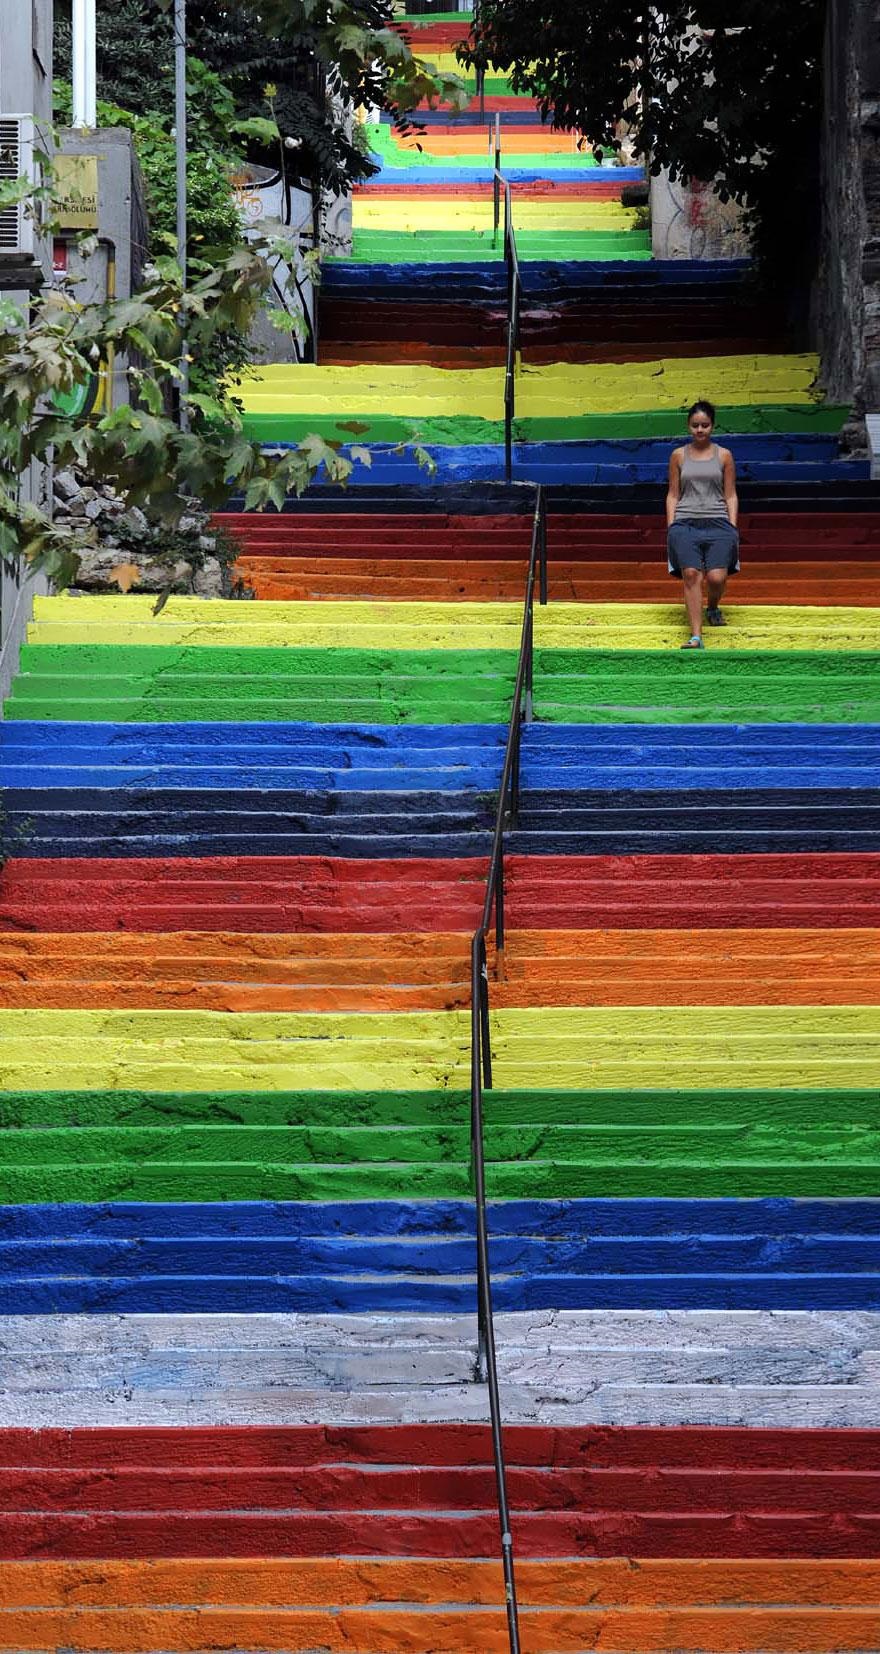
[
  {"x": 423, "y": 20},
  {"x": 655, "y": 687},
  {"x": 467, "y": 430},
  {"x": 773, "y": 1108},
  {"x": 796, "y": 1144},
  {"x": 533, "y": 246},
  {"x": 115, "y": 683},
  {"x": 166, "y": 684},
  {"x": 383, "y": 145},
  {"x": 853, "y": 1177}
]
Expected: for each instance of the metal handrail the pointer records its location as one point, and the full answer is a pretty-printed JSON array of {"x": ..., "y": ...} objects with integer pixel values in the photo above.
[
  {"x": 481, "y": 1034},
  {"x": 501, "y": 186}
]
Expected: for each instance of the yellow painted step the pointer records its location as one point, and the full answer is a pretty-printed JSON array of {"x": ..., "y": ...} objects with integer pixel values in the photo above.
[
  {"x": 445, "y": 59},
  {"x": 731, "y": 1047},
  {"x": 410, "y": 213},
  {"x": 659, "y": 626},
  {"x": 558, "y": 389},
  {"x": 402, "y": 625}
]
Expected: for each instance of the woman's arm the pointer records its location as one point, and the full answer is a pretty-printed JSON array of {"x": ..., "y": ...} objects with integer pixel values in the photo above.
[
  {"x": 674, "y": 491},
  {"x": 731, "y": 498}
]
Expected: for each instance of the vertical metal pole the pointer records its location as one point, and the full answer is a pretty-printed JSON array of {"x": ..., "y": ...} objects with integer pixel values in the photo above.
[
  {"x": 529, "y": 684},
  {"x": 85, "y": 75},
  {"x": 542, "y": 530},
  {"x": 182, "y": 225},
  {"x": 497, "y": 143},
  {"x": 485, "y": 1030},
  {"x": 499, "y": 908}
]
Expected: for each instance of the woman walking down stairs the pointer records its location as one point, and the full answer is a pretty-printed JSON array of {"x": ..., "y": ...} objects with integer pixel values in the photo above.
[{"x": 246, "y": 848}]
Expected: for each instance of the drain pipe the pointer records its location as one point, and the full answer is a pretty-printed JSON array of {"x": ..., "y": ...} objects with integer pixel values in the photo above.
[
  {"x": 85, "y": 73},
  {"x": 180, "y": 148}
]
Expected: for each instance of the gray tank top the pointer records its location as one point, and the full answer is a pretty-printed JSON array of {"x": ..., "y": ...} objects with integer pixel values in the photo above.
[{"x": 702, "y": 487}]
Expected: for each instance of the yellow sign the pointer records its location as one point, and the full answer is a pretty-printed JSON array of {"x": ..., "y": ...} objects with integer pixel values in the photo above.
[{"x": 75, "y": 191}]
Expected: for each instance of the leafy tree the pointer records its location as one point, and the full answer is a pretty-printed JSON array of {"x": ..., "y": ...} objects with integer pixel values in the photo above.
[
  {"x": 729, "y": 95},
  {"x": 138, "y": 450},
  {"x": 297, "y": 46}
]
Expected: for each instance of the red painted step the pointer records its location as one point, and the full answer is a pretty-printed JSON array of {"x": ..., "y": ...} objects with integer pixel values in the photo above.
[
  {"x": 349, "y": 353},
  {"x": 767, "y": 537},
  {"x": 704, "y": 1533},
  {"x": 325, "y": 1487},
  {"x": 429, "y": 1490},
  {"x": 629, "y": 1447},
  {"x": 311, "y": 893},
  {"x": 567, "y": 190}
]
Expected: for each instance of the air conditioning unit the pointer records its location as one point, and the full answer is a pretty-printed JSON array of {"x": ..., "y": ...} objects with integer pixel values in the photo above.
[{"x": 20, "y": 222}]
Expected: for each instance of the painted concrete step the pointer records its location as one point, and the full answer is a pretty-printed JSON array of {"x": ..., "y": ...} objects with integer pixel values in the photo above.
[
  {"x": 431, "y": 971},
  {"x": 365, "y": 759},
  {"x": 208, "y": 623},
  {"x": 119, "y": 683},
  {"x": 115, "y": 1500},
  {"x": 461, "y": 1601},
  {"x": 278, "y": 825},
  {"x": 254, "y": 1258},
  {"x": 275, "y": 895},
  {"x": 552, "y": 1350},
  {"x": 309, "y": 578},
  {"x": 278, "y": 685},
  {"x": 426, "y": 534}
]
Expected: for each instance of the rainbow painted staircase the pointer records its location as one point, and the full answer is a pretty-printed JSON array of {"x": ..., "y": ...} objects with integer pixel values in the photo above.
[{"x": 246, "y": 848}]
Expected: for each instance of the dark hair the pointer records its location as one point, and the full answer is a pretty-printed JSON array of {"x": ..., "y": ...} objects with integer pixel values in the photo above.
[{"x": 708, "y": 408}]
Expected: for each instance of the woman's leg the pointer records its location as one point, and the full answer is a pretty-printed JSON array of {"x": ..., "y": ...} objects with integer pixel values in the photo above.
[
  {"x": 693, "y": 599},
  {"x": 720, "y": 552},
  {"x": 716, "y": 580}
]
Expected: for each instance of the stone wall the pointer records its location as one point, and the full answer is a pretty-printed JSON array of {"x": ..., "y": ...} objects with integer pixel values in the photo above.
[
  {"x": 847, "y": 307},
  {"x": 689, "y": 221}
]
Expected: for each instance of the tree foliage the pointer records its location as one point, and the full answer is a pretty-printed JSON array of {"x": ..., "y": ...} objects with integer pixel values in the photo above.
[
  {"x": 727, "y": 94},
  {"x": 139, "y": 450},
  {"x": 297, "y": 46}
]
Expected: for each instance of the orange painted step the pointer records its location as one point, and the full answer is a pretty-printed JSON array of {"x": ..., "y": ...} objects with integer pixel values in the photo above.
[
  {"x": 329, "y": 1582},
  {"x": 173, "y": 1630},
  {"x": 241, "y": 972},
  {"x": 449, "y": 140},
  {"x": 279, "y": 576},
  {"x": 444, "y": 1607}
]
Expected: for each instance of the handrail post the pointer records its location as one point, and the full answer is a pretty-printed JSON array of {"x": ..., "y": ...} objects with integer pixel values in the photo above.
[
  {"x": 485, "y": 1026},
  {"x": 530, "y": 659},
  {"x": 508, "y": 427},
  {"x": 499, "y": 920},
  {"x": 496, "y": 182},
  {"x": 541, "y": 509},
  {"x": 497, "y": 142}
]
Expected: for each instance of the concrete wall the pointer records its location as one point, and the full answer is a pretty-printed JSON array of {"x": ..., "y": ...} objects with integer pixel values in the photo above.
[
  {"x": 847, "y": 307},
  {"x": 689, "y": 221},
  {"x": 25, "y": 88},
  {"x": 121, "y": 212},
  {"x": 26, "y": 58}
]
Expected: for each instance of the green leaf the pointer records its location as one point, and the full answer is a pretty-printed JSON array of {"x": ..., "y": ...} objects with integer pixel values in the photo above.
[{"x": 258, "y": 127}]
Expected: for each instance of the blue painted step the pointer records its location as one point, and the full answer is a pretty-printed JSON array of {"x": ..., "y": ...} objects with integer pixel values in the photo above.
[
  {"x": 569, "y": 467},
  {"x": 449, "y": 173},
  {"x": 396, "y": 1257}
]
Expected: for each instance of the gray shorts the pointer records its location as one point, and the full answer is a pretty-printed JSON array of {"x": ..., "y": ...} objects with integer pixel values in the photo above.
[{"x": 702, "y": 543}]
